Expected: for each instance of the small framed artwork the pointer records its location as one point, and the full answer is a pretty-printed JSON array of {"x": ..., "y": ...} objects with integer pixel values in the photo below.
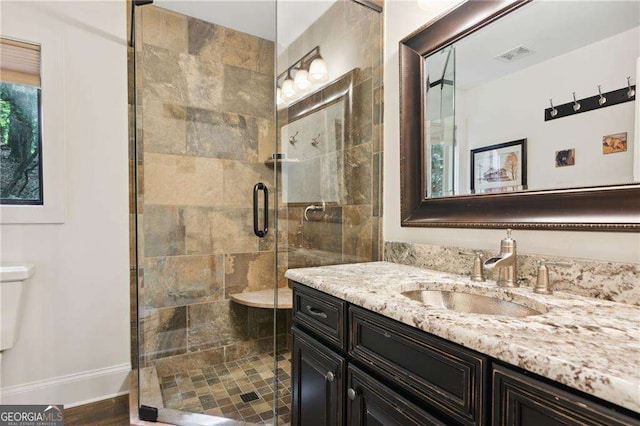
[
  {"x": 499, "y": 168},
  {"x": 614, "y": 143},
  {"x": 566, "y": 157}
]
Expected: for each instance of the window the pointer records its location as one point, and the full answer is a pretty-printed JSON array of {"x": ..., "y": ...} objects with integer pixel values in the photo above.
[{"x": 20, "y": 123}]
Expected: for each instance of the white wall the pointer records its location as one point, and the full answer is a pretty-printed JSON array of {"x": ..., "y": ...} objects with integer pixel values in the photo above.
[
  {"x": 402, "y": 18},
  {"x": 73, "y": 342},
  {"x": 525, "y": 94}
]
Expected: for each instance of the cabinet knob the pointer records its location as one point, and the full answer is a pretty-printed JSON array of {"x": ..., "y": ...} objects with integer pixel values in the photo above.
[
  {"x": 351, "y": 394},
  {"x": 330, "y": 376}
]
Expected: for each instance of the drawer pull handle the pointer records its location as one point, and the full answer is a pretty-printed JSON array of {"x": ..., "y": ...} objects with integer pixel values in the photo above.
[
  {"x": 330, "y": 377},
  {"x": 316, "y": 312},
  {"x": 351, "y": 394}
]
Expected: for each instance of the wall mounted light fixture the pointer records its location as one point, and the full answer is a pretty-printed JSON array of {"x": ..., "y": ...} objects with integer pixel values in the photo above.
[{"x": 307, "y": 71}]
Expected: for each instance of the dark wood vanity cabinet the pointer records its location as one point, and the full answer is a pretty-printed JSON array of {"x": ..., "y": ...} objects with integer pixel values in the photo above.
[
  {"x": 322, "y": 396},
  {"x": 519, "y": 399},
  {"x": 324, "y": 393},
  {"x": 354, "y": 367}
]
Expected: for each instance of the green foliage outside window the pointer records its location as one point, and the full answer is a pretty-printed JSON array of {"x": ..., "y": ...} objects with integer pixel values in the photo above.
[
  {"x": 20, "y": 156},
  {"x": 437, "y": 171}
]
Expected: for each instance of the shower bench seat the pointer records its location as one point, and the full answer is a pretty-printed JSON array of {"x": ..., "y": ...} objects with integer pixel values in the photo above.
[{"x": 265, "y": 299}]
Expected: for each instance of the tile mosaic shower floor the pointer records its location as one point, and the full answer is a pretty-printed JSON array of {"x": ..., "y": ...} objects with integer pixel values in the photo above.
[{"x": 218, "y": 390}]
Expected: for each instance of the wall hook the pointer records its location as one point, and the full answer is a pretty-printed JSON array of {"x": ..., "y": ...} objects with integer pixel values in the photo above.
[
  {"x": 292, "y": 139},
  {"x": 576, "y": 104},
  {"x": 554, "y": 111},
  {"x": 314, "y": 141},
  {"x": 630, "y": 93},
  {"x": 602, "y": 99}
]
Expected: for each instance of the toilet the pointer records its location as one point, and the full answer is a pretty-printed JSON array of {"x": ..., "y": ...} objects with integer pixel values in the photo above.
[{"x": 13, "y": 276}]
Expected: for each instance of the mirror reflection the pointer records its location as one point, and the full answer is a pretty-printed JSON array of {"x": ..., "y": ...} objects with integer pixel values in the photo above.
[
  {"x": 530, "y": 102},
  {"x": 312, "y": 146}
]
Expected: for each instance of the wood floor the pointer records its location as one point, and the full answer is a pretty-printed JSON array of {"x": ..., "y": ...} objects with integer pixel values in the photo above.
[{"x": 114, "y": 411}]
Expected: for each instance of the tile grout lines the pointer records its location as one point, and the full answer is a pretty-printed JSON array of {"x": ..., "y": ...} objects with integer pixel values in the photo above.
[{"x": 217, "y": 390}]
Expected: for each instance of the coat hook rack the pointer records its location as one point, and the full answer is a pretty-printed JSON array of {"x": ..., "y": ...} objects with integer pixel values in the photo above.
[
  {"x": 315, "y": 141},
  {"x": 601, "y": 100}
]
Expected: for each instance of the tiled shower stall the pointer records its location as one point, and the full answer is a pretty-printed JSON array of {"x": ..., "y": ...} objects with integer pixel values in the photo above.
[{"x": 203, "y": 104}]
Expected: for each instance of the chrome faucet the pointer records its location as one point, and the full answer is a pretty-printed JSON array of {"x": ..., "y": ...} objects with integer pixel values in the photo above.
[{"x": 506, "y": 263}]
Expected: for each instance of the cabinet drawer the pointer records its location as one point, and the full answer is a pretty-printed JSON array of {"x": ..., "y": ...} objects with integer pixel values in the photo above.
[
  {"x": 444, "y": 375},
  {"x": 372, "y": 403},
  {"x": 321, "y": 314},
  {"x": 526, "y": 401}
]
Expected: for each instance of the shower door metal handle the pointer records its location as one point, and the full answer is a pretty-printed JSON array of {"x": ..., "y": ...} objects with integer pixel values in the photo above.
[{"x": 257, "y": 188}]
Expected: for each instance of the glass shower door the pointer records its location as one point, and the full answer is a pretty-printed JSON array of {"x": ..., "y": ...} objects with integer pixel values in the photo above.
[
  {"x": 329, "y": 159},
  {"x": 213, "y": 311},
  {"x": 206, "y": 258},
  {"x": 329, "y": 121}
]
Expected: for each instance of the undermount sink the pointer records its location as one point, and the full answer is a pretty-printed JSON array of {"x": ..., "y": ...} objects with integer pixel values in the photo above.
[{"x": 470, "y": 303}]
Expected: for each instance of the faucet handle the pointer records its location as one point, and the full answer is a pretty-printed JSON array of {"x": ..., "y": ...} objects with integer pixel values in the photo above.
[
  {"x": 543, "y": 286},
  {"x": 542, "y": 280},
  {"x": 478, "y": 265}
]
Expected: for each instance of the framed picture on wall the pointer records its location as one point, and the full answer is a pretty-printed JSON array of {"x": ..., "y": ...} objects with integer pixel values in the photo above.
[{"x": 499, "y": 168}]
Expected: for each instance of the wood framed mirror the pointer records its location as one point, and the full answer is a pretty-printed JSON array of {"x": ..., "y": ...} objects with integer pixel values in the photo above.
[{"x": 580, "y": 207}]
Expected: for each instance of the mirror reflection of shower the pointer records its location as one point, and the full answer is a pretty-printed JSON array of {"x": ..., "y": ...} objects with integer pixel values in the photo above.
[{"x": 440, "y": 135}]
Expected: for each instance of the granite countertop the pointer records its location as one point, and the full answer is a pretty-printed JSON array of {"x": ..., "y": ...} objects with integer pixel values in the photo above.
[{"x": 587, "y": 344}]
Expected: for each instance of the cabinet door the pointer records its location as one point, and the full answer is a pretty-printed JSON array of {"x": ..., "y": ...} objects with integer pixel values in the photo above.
[
  {"x": 317, "y": 382},
  {"x": 446, "y": 376},
  {"x": 371, "y": 403},
  {"x": 521, "y": 400}
]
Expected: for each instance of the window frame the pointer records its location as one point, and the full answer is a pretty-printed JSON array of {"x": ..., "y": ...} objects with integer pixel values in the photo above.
[{"x": 26, "y": 22}]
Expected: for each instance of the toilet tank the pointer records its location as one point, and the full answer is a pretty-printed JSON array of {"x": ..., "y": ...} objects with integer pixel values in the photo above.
[{"x": 13, "y": 276}]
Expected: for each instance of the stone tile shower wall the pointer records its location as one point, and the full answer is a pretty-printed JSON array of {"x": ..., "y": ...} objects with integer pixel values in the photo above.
[
  {"x": 351, "y": 229},
  {"x": 205, "y": 121}
]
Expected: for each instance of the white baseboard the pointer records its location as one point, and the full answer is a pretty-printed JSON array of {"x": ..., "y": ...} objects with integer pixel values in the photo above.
[{"x": 71, "y": 390}]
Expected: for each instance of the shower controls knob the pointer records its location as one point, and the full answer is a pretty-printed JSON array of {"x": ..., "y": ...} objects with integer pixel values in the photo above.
[
  {"x": 330, "y": 377},
  {"x": 351, "y": 394}
]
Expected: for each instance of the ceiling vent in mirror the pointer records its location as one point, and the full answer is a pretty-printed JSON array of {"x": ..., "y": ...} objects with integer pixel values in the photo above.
[{"x": 515, "y": 54}]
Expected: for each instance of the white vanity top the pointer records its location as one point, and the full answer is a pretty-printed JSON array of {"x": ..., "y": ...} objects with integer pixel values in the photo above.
[{"x": 588, "y": 344}]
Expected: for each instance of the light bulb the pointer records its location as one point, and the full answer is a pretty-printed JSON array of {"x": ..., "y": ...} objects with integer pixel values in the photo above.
[
  {"x": 279, "y": 100},
  {"x": 288, "y": 90},
  {"x": 318, "y": 71},
  {"x": 301, "y": 81}
]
